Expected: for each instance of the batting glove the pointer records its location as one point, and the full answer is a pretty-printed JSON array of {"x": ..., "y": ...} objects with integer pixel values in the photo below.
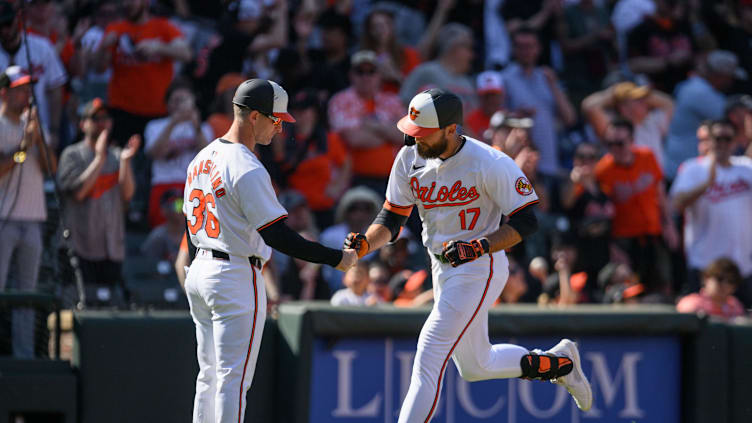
[
  {"x": 461, "y": 252},
  {"x": 357, "y": 242}
]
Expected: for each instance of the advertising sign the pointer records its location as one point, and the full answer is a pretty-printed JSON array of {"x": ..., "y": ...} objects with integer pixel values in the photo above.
[{"x": 634, "y": 379}]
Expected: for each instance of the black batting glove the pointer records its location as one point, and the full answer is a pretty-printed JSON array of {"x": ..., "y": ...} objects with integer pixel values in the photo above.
[
  {"x": 461, "y": 252},
  {"x": 357, "y": 242}
]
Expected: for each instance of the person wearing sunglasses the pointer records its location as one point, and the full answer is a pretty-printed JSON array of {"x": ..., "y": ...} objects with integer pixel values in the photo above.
[
  {"x": 364, "y": 116},
  {"x": 233, "y": 220},
  {"x": 715, "y": 194},
  {"x": 97, "y": 181},
  {"x": 642, "y": 225}
]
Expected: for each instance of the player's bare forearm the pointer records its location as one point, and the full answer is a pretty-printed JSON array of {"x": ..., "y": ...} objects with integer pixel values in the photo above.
[
  {"x": 505, "y": 237},
  {"x": 377, "y": 235}
]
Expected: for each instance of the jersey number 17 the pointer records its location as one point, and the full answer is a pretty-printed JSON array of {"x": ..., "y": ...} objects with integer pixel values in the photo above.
[{"x": 475, "y": 211}]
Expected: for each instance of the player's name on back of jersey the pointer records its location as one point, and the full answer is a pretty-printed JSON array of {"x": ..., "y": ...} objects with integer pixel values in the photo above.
[{"x": 208, "y": 168}]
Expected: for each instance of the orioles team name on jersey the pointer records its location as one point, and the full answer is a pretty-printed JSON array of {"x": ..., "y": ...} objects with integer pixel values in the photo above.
[
  {"x": 208, "y": 168},
  {"x": 445, "y": 197}
]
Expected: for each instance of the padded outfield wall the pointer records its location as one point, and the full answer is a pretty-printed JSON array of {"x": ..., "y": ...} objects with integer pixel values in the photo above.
[{"x": 324, "y": 364}]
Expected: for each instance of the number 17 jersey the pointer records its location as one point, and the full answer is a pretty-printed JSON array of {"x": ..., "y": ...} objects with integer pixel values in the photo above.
[
  {"x": 228, "y": 198},
  {"x": 462, "y": 197}
]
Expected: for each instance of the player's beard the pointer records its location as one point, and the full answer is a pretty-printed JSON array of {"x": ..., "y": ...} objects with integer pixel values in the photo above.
[{"x": 428, "y": 152}]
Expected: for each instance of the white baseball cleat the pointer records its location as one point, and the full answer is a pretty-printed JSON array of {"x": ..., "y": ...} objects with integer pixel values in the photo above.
[{"x": 575, "y": 382}]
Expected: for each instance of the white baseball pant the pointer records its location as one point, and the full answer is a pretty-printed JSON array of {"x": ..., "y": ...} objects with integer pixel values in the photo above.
[
  {"x": 228, "y": 305},
  {"x": 457, "y": 327}
]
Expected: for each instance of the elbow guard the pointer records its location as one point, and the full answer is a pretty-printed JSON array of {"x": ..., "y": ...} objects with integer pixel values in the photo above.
[
  {"x": 392, "y": 221},
  {"x": 524, "y": 221}
]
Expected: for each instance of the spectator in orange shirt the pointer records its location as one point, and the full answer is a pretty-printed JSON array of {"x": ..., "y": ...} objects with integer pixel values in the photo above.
[
  {"x": 716, "y": 298},
  {"x": 631, "y": 177},
  {"x": 142, "y": 51},
  {"x": 415, "y": 291},
  {"x": 366, "y": 118},
  {"x": 490, "y": 89},
  {"x": 311, "y": 159},
  {"x": 396, "y": 61}
]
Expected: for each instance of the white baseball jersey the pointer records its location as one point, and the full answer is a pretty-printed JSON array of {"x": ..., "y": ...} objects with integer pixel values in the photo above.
[
  {"x": 460, "y": 198},
  {"x": 717, "y": 224},
  {"x": 228, "y": 197}
]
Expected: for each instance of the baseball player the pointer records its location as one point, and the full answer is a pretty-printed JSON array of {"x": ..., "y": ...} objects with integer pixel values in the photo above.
[
  {"x": 462, "y": 188},
  {"x": 233, "y": 218}
]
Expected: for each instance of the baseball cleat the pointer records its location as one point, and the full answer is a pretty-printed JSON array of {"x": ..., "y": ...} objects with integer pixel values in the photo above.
[{"x": 575, "y": 382}]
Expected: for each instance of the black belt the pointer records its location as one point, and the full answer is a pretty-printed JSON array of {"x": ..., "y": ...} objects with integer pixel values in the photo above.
[{"x": 255, "y": 261}]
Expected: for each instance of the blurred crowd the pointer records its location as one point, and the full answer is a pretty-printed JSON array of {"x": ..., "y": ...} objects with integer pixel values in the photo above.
[{"x": 632, "y": 119}]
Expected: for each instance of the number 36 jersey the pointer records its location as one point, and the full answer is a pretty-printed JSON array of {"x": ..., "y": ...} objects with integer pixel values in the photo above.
[
  {"x": 460, "y": 198},
  {"x": 228, "y": 198}
]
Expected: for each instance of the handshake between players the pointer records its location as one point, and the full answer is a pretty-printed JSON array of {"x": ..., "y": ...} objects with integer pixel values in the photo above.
[{"x": 349, "y": 259}]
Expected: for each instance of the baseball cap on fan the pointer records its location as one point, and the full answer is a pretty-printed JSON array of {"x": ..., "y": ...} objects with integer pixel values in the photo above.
[
  {"x": 489, "y": 82},
  {"x": 93, "y": 107},
  {"x": 14, "y": 76},
  {"x": 726, "y": 63},
  {"x": 430, "y": 111},
  {"x": 266, "y": 97}
]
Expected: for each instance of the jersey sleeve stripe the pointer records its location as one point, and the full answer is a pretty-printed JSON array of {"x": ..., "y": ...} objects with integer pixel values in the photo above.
[
  {"x": 284, "y": 216},
  {"x": 397, "y": 209},
  {"x": 522, "y": 207}
]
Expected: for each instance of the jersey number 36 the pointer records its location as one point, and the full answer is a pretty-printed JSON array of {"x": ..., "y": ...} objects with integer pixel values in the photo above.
[{"x": 202, "y": 214}]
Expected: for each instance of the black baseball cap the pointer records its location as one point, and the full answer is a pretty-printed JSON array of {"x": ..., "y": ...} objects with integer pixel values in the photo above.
[
  {"x": 430, "y": 111},
  {"x": 267, "y": 97},
  {"x": 93, "y": 107}
]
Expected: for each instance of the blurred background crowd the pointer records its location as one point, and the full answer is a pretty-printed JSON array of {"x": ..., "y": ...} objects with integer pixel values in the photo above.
[{"x": 632, "y": 119}]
